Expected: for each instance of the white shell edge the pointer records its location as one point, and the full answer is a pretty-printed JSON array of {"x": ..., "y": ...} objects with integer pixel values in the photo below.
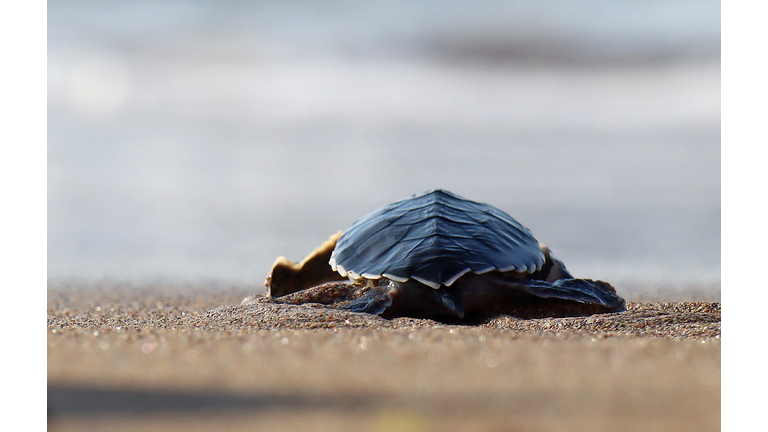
[
  {"x": 395, "y": 278},
  {"x": 450, "y": 281},
  {"x": 332, "y": 262},
  {"x": 434, "y": 285},
  {"x": 428, "y": 283}
]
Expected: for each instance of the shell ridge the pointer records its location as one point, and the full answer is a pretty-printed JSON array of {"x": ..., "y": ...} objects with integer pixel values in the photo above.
[
  {"x": 504, "y": 217},
  {"x": 436, "y": 236},
  {"x": 389, "y": 268},
  {"x": 478, "y": 266},
  {"x": 518, "y": 237},
  {"x": 373, "y": 239},
  {"x": 500, "y": 243},
  {"x": 389, "y": 249},
  {"x": 497, "y": 215}
]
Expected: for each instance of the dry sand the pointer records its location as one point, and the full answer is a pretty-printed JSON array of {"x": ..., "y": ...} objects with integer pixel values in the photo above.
[{"x": 159, "y": 358}]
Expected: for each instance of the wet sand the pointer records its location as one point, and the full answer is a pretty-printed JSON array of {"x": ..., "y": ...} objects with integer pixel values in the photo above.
[{"x": 161, "y": 358}]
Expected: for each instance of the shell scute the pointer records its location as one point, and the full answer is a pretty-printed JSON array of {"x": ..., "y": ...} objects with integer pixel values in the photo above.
[{"x": 436, "y": 237}]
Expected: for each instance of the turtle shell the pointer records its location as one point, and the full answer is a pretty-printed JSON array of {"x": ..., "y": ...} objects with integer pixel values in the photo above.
[{"x": 435, "y": 238}]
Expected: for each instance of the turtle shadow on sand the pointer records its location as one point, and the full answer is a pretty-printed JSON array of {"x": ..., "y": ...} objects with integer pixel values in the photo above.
[{"x": 442, "y": 257}]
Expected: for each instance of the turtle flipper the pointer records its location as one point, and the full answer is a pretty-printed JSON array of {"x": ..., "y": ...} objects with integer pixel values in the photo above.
[
  {"x": 579, "y": 290},
  {"x": 373, "y": 300},
  {"x": 493, "y": 294},
  {"x": 420, "y": 301},
  {"x": 287, "y": 277},
  {"x": 451, "y": 300},
  {"x": 471, "y": 299}
]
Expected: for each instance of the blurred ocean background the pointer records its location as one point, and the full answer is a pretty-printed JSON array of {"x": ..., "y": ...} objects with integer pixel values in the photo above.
[{"x": 196, "y": 141}]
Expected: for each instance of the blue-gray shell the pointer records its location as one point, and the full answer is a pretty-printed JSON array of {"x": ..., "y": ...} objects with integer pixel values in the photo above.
[{"x": 435, "y": 238}]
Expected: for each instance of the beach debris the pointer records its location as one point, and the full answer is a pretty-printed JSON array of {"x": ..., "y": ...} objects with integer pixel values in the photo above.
[{"x": 437, "y": 255}]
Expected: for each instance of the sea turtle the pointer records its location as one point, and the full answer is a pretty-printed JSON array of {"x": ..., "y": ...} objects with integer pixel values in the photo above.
[{"x": 440, "y": 256}]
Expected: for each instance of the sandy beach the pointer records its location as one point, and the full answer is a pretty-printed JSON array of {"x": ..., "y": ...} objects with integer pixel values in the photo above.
[
  {"x": 161, "y": 358},
  {"x": 199, "y": 141}
]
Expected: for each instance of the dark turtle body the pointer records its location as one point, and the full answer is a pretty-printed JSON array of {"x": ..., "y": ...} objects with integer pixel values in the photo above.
[{"x": 437, "y": 255}]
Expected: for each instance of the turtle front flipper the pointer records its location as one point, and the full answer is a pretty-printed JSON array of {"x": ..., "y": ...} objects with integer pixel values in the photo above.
[
  {"x": 369, "y": 298},
  {"x": 373, "y": 299},
  {"x": 493, "y": 294},
  {"x": 584, "y": 291}
]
